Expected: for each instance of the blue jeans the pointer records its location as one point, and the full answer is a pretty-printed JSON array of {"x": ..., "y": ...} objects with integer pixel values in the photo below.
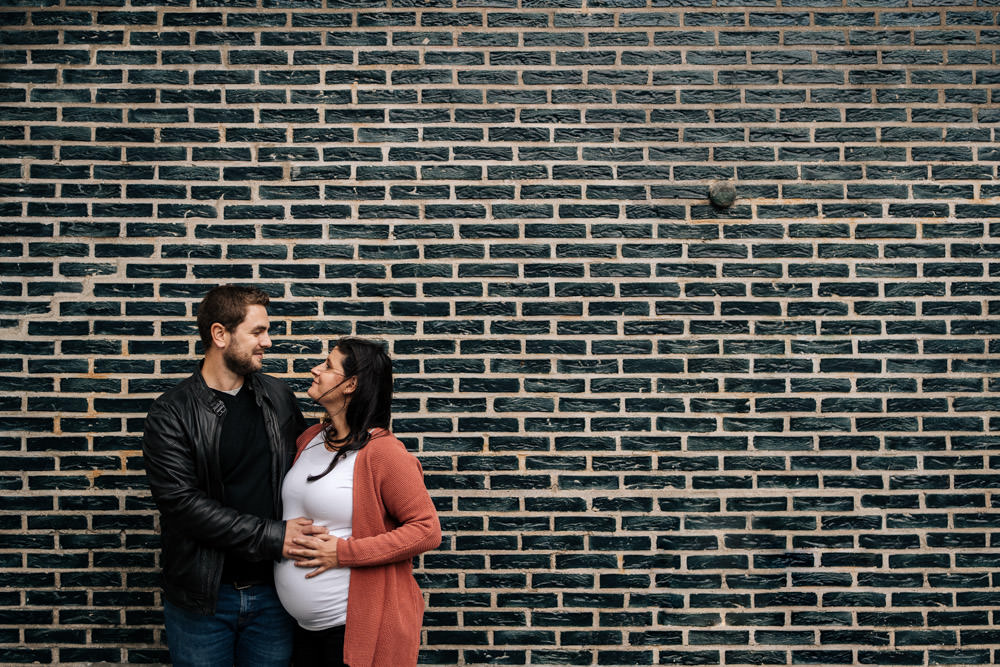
[{"x": 249, "y": 628}]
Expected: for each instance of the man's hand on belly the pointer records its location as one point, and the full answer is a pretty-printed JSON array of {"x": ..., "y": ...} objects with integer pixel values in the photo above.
[{"x": 295, "y": 529}]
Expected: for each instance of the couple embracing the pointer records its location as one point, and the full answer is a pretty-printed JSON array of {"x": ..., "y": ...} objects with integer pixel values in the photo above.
[{"x": 284, "y": 544}]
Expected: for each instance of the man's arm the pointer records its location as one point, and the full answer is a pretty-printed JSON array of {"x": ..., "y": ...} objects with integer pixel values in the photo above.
[
  {"x": 300, "y": 420},
  {"x": 300, "y": 527},
  {"x": 170, "y": 469}
]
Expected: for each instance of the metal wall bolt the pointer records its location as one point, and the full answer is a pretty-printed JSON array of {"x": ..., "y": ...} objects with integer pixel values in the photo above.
[{"x": 722, "y": 194}]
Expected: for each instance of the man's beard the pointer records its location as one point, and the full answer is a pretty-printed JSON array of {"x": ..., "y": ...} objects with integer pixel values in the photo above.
[{"x": 240, "y": 364}]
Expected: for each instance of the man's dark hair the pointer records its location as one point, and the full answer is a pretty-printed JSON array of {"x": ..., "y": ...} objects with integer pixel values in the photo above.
[
  {"x": 371, "y": 403},
  {"x": 227, "y": 305}
]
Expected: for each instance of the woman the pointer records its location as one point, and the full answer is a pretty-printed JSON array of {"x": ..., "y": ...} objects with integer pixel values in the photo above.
[{"x": 359, "y": 604}]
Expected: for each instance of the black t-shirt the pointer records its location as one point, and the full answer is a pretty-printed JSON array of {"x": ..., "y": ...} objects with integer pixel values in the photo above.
[{"x": 245, "y": 459}]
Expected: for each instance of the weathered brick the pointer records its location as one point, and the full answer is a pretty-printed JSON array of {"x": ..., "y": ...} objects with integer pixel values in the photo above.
[{"x": 516, "y": 199}]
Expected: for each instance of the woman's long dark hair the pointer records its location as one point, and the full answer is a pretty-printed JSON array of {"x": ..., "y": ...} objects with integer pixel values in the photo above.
[{"x": 371, "y": 403}]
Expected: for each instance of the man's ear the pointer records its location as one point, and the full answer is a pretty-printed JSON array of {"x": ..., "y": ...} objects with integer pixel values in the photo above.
[{"x": 220, "y": 337}]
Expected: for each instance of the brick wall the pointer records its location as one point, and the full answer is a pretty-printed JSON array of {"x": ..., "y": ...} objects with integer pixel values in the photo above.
[{"x": 657, "y": 431}]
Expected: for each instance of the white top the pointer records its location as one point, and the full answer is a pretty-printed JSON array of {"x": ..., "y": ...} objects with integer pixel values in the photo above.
[{"x": 320, "y": 602}]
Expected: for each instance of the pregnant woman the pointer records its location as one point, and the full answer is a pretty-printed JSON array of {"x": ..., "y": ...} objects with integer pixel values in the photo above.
[{"x": 352, "y": 591}]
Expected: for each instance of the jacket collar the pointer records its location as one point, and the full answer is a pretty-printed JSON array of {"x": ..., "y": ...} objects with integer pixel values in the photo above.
[{"x": 208, "y": 396}]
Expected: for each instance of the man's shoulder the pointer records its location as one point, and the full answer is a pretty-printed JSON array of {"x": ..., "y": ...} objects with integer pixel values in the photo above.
[
  {"x": 272, "y": 385},
  {"x": 181, "y": 392},
  {"x": 270, "y": 380}
]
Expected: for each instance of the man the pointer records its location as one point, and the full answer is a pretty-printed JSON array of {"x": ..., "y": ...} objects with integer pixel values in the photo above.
[{"x": 216, "y": 449}]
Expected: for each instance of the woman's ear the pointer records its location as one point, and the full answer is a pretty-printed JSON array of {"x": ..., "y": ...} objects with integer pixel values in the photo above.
[{"x": 350, "y": 385}]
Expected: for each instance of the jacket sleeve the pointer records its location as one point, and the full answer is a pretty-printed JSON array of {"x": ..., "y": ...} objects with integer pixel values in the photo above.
[
  {"x": 171, "y": 470},
  {"x": 299, "y": 420},
  {"x": 400, "y": 485}
]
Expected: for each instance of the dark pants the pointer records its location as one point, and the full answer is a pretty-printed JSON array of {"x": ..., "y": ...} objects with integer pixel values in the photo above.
[{"x": 319, "y": 648}]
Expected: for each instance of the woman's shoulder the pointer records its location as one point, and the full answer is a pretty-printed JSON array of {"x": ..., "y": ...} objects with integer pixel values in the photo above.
[
  {"x": 384, "y": 445},
  {"x": 307, "y": 435},
  {"x": 383, "y": 438}
]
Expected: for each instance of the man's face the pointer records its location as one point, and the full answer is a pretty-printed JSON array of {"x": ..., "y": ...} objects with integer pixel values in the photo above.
[{"x": 244, "y": 352}]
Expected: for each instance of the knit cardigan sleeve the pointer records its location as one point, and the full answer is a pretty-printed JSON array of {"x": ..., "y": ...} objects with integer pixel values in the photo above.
[{"x": 409, "y": 521}]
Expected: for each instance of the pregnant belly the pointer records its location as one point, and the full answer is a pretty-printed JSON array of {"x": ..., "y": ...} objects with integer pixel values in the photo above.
[{"x": 317, "y": 603}]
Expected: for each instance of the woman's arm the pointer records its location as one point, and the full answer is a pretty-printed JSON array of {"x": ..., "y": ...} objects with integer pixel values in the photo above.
[
  {"x": 406, "y": 500},
  {"x": 399, "y": 482}
]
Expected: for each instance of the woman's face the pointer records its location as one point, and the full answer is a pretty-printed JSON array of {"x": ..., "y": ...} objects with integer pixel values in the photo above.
[{"x": 330, "y": 386}]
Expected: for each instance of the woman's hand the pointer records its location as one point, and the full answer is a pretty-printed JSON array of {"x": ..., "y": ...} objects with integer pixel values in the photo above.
[{"x": 318, "y": 551}]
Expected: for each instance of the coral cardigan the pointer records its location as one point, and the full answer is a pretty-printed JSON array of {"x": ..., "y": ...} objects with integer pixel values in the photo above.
[{"x": 393, "y": 521}]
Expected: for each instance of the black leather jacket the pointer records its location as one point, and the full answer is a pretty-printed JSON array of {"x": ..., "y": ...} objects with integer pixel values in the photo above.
[{"x": 180, "y": 446}]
